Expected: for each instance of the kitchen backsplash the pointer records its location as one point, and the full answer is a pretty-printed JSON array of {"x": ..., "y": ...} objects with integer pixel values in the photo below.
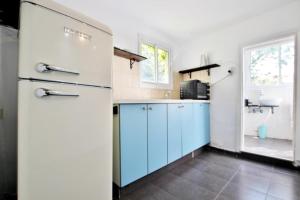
[{"x": 126, "y": 82}]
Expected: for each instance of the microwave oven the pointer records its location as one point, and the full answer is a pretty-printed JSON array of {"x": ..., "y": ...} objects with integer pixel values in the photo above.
[{"x": 194, "y": 89}]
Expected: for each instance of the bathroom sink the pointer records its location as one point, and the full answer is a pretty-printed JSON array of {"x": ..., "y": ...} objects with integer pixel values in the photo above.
[{"x": 270, "y": 101}]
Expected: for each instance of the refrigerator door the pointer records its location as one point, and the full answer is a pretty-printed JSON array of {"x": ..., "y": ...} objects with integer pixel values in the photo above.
[
  {"x": 64, "y": 142},
  {"x": 58, "y": 47}
]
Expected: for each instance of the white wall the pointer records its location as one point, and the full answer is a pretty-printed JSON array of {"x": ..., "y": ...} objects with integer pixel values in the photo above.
[
  {"x": 126, "y": 29},
  {"x": 225, "y": 47},
  {"x": 280, "y": 123}
]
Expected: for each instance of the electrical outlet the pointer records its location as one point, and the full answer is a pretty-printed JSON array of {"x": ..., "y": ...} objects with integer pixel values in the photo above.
[{"x": 1, "y": 113}]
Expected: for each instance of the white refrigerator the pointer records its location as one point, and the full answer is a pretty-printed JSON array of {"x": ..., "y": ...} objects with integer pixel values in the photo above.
[{"x": 64, "y": 105}]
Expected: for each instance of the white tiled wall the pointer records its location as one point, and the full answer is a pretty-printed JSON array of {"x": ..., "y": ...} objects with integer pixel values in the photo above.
[{"x": 126, "y": 82}]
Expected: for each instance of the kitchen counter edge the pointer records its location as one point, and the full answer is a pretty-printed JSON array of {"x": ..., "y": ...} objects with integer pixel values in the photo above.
[{"x": 149, "y": 101}]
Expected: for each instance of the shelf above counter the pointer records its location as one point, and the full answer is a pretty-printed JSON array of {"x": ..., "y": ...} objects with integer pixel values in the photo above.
[
  {"x": 259, "y": 107},
  {"x": 128, "y": 55},
  {"x": 206, "y": 67}
]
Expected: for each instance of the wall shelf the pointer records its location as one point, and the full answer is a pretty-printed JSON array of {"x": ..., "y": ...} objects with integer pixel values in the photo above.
[
  {"x": 259, "y": 107},
  {"x": 128, "y": 55},
  {"x": 206, "y": 67}
]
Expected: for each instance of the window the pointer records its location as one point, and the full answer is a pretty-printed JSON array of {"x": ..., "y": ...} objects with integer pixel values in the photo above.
[
  {"x": 156, "y": 69},
  {"x": 272, "y": 64}
]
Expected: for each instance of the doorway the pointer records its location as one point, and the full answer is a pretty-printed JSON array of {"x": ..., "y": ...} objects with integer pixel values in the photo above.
[{"x": 268, "y": 111}]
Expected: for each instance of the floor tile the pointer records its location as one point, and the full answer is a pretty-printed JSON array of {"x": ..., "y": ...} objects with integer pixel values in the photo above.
[
  {"x": 286, "y": 179},
  {"x": 256, "y": 170},
  {"x": 284, "y": 192},
  {"x": 198, "y": 164},
  {"x": 254, "y": 164},
  {"x": 221, "y": 159},
  {"x": 238, "y": 192},
  {"x": 220, "y": 171},
  {"x": 150, "y": 192},
  {"x": 183, "y": 189},
  {"x": 200, "y": 178},
  {"x": 212, "y": 175},
  {"x": 283, "y": 170},
  {"x": 269, "y": 197},
  {"x": 134, "y": 186},
  {"x": 251, "y": 181}
]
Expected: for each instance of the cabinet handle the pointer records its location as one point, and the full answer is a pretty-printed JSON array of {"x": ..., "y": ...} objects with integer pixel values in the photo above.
[
  {"x": 180, "y": 106},
  {"x": 42, "y": 92},
  {"x": 143, "y": 108},
  {"x": 41, "y": 67},
  {"x": 150, "y": 108}
]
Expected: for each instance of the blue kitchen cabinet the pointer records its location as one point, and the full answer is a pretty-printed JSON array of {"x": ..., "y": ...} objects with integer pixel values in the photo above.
[
  {"x": 206, "y": 121},
  {"x": 133, "y": 142},
  {"x": 198, "y": 125},
  {"x": 174, "y": 132},
  {"x": 201, "y": 125},
  {"x": 147, "y": 137},
  {"x": 188, "y": 133},
  {"x": 157, "y": 136}
]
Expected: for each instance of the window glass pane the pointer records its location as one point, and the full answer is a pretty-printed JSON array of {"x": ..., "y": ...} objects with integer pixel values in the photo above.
[
  {"x": 148, "y": 73},
  {"x": 264, "y": 66},
  {"x": 163, "y": 66},
  {"x": 287, "y": 62}
]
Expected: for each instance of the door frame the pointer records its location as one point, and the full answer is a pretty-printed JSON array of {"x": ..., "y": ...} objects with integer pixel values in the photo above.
[{"x": 240, "y": 142}]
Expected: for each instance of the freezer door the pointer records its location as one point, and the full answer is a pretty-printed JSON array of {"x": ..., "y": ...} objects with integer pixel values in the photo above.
[
  {"x": 54, "y": 46},
  {"x": 64, "y": 142}
]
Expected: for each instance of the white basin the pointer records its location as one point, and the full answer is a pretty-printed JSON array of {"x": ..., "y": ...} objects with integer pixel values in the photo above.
[{"x": 270, "y": 101}]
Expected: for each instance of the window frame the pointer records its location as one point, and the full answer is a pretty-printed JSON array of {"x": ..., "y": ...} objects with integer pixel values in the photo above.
[
  {"x": 155, "y": 84},
  {"x": 247, "y": 57}
]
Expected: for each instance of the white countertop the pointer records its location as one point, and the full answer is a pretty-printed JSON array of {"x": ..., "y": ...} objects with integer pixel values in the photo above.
[{"x": 135, "y": 101}]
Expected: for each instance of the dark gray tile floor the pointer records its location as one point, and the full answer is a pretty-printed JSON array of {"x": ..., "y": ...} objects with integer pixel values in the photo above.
[
  {"x": 271, "y": 147},
  {"x": 216, "y": 176}
]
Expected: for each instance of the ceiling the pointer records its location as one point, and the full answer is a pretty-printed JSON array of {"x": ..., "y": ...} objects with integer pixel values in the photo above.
[{"x": 181, "y": 19}]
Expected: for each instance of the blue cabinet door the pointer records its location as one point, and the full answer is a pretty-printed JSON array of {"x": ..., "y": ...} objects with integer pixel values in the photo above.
[
  {"x": 206, "y": 114},
  {"x": 157, "y": 136},
  {"x": 199, "y": 129},
  {"x": 133, "y": 142},
  {"x": 188, "y": 134},
  {"x": 201, "y": 124},
  {"x": 174, "y": 132}
]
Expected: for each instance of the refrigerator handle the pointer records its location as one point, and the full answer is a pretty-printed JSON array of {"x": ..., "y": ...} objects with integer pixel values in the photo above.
[
  {"x": 42, "y": 92},
  {"x": 42, "y": 67}
]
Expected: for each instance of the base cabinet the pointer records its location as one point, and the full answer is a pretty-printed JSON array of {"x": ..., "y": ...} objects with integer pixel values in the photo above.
[
  {"x": 189, "y": 136},
  {"x": 133, "y": 142},
  {"x": 206, "y": 124},
  {"x": 147, "y": 137},
  {"x": 201, "y": 125},
  {"x": 157, "y": 136},
  {"x": 174, "y": 132}
]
